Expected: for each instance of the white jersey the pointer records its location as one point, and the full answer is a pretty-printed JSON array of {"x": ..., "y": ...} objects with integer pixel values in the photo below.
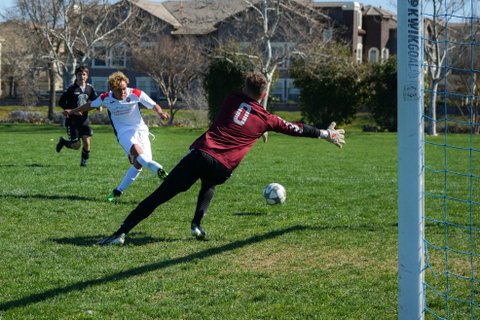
[{"x": 125, "y": 114}]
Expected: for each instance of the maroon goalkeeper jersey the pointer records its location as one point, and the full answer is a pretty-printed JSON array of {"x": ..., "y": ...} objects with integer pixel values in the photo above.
[{"x": 239, "y": 124}]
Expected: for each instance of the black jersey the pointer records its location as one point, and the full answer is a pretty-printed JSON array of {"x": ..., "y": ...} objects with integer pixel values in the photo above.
[{"x": 74, "y": 97}]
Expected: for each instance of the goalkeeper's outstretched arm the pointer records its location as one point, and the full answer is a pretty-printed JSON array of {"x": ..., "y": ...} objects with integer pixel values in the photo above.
[{"x": 335, "y": 136}]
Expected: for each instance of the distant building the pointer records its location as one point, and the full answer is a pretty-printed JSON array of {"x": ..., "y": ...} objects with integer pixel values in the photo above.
[{"x": 370, "y": 31}]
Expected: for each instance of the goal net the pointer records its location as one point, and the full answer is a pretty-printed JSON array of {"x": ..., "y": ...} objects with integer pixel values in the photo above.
[{"x": 439, "y": 159}]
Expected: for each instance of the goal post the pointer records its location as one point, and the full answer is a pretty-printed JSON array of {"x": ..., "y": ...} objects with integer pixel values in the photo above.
[{"x": 410, "y": 159}]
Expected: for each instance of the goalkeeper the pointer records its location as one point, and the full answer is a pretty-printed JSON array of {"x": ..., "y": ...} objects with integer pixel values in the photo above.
[{"x": 216, "y": 153}]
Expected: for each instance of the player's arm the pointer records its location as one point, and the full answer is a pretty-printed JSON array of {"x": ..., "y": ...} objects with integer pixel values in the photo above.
[
  {"x": 331, "y": 134},
  {"x": 148, "y": 102},
  {"x": 78, "y": 110},
  {"x": 163, "y": 115}
]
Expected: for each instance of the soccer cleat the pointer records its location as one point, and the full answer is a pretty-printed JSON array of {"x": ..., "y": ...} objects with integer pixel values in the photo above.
[
  {"x": 198, "y": 232},
  {"x": 60, "y": 144},
  {"x": 114, "y": 195},
  {"x": 162, "y": 174},
  {"x": 113, "y": 240},
  {"x": 85, "y": 156}
]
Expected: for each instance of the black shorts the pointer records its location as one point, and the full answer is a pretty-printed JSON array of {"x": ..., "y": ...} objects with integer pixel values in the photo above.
[
  {"x": 200, "y": 165},
  {"x": 75, "y": 132}
]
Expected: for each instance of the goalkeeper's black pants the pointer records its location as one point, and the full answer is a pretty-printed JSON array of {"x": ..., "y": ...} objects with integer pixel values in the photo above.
[{"x": 195, "y": 165}]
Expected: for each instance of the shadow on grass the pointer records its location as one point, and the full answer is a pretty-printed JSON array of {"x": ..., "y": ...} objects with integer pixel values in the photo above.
[
  {"x": 45, "y": 197},
  {"x": 48, "y": 294},
  {"x": 28, "y": 165},
  {"x": 249, "y": 213},
  {"x": 134, "y": 238}
]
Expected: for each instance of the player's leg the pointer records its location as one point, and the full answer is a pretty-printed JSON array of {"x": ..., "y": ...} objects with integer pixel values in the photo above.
[
  {"x": 73, "y": 141},
  {"x": 86, "y": 133},
  {"x": 142, "y": 152},
  {"x": 125, "y": 140},
  {"x": 179, "y": 180},
  {"x": 205, "y": 196},
  {"x": 128, "y": 179},
  {"x": 212, "y": 174}
]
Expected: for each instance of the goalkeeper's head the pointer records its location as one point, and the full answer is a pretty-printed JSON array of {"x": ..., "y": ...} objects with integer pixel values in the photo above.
[{"x": 256, "y": 85}]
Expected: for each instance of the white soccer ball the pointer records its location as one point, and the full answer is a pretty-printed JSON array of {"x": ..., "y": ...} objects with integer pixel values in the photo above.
[{"x": 274, "y": 193}]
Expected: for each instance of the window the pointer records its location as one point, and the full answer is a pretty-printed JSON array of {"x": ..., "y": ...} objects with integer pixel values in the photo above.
[
  {"x": 277, "y": 93},
  {"x": 118, "y": 56},
  {"x": 359, "y": 53},
  {"x": 293, "y": 93},
  {"x": 385, "y": 54},
  {"x": 100, "y": 84},
  {"x": 373, "y": 55},
  {"x": 100, "y": 57},
  {"x": 149, "y": 86},
  {"x": 113, "y": 57},
  {"x": 327, "y": 35}
]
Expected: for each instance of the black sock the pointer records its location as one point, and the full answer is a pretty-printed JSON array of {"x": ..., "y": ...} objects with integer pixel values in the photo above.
[
  {"x": 205, "y": 196},
  {"x": 85, "y": 154}
]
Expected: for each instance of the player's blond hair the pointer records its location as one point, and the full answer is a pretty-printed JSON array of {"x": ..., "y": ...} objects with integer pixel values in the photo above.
[{"x": 116, "y": 78}]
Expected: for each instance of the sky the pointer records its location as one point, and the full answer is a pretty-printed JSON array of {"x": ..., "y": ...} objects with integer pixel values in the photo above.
[{"x": 386, "y": 4}]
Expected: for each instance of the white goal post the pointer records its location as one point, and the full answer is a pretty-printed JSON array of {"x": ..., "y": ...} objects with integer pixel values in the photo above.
[{"x": 410, "y": 159}]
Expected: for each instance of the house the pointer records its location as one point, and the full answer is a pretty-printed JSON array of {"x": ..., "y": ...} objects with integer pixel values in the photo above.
[
  {"x": 370, "y": 31},
  {"x": 380, "y": 39}
]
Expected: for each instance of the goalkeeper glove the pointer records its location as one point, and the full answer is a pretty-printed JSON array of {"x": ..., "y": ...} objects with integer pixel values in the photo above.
[{"x": 335, "y": 136}]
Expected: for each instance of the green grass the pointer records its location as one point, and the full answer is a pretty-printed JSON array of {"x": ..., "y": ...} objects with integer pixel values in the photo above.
[{"x": 329, "y": 252}]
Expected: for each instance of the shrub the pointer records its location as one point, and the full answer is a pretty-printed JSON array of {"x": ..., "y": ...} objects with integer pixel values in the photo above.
[
  {"x": 20, "y": 116},
  {"x": 329, "y": 86},
  {"x": 379, "y": 93}
]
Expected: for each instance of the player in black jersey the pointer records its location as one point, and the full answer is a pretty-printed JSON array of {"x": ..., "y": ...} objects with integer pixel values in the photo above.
[{"x": 77, "y": 125}]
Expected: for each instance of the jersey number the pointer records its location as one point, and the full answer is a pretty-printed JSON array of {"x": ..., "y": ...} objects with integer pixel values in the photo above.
[{"x": 245, "y": 109}]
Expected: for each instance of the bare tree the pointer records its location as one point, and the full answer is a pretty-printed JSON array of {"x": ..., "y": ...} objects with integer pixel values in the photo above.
[
  {"x": 16, "y": 72},
  {"x": 289, "y": 22},
  {"x": 174, "y": 64},
  {"x": 439, "y": 42},
  {"x": 70, "y": 31},
  {"x": 464, "y": 60}
]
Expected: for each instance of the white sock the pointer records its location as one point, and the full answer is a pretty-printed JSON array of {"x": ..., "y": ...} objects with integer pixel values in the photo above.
[
  {"x": 130, "y": 176},
  {"x": 149, "y": 163}
]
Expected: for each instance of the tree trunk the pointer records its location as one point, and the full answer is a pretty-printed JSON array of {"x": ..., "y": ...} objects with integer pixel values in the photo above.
[
  {"x": 432, "y": 127},
  {"x": 11, "y": 89},
  {"x": 52, "y": 102}
]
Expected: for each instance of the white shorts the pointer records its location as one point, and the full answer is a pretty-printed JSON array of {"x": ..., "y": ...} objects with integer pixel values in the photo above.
[{"x": 140, "y": 137}]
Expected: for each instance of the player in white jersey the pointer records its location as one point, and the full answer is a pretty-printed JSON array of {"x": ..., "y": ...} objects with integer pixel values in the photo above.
[{"x": 131, "y": 131}]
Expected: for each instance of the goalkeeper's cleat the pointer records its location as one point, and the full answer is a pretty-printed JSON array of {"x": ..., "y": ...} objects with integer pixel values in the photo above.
[
  {"x": 113, "y": 240},
  {"x": 162, "y": 174},
  {"x": 114, "y": 195},
  {"x": 60, "y": 144},
  {"x": 198, "y": 232},
  {"x": 83, "y": 162}
]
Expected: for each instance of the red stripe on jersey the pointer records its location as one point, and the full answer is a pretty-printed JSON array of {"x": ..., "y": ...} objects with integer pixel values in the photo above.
[
  {"x": 137, "y": 92},
  {"x": 104, "y": 95}
]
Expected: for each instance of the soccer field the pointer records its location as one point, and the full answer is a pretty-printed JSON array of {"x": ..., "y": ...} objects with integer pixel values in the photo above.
[{"x": 328, "y": 252}]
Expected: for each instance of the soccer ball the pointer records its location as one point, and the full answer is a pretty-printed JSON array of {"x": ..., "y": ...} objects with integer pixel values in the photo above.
[{"x": 274, "y": 193}]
